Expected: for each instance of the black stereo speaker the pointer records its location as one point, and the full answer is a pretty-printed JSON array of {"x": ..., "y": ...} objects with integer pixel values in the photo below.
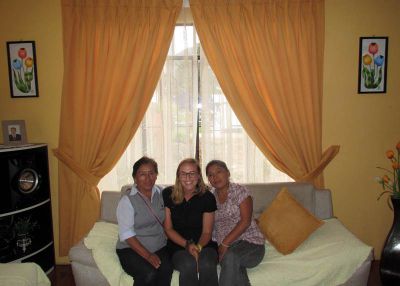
[
  {"x": 24, "y": 178},
  {"x": 26, "y": 227}
]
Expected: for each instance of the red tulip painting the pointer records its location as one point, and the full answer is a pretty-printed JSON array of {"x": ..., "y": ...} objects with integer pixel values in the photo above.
[
  {"x": 22, "y": 69},
  {"x": 372, "y": 65}
]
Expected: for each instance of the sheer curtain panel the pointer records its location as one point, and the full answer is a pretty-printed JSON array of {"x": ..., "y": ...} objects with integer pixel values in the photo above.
[{"x": 189, "y": 114}]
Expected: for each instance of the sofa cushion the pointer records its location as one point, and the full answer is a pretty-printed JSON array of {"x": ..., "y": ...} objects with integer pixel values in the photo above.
[
  {"x": 286, "y": 223},
  {"x": 328, "y": 257}
]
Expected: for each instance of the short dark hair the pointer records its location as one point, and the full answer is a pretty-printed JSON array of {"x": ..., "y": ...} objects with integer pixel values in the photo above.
[
  {"x": 218, "y": 163},
  {"x": 142, "y": 161}
]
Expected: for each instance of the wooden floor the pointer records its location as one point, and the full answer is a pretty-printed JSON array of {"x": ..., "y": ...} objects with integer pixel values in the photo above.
[
  {"x": 374, "y": 279},
  {"x": 62, "y": 275}
]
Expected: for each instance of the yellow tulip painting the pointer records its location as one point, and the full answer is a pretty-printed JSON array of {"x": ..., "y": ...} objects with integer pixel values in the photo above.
[
  {"x": 372, "y": 65},
  {"x": 22, "y": 69}
]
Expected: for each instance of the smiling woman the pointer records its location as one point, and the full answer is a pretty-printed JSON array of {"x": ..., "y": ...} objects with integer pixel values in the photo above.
[
  {"x": 189, "y": 219},
  {"x": 240, "y": 241},
  {"x": 140, "y": 214}
]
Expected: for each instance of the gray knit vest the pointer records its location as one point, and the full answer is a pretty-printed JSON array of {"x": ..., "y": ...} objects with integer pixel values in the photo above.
[{"x": 148, "y": 231}]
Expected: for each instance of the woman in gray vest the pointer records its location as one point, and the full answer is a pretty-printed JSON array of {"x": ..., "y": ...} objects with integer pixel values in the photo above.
[{"x": 140, "y": 214}]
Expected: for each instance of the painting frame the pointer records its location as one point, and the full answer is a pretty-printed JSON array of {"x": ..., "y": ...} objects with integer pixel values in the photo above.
[
  {"x": 14, "y": 132},
  {"x": 372, "y": 65},
  {"x": 22, "y": 69}
]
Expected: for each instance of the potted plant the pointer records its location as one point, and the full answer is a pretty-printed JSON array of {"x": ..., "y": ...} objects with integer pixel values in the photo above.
[
  {"x": 390, "y": 259},
  {"x": 389, "y": 185}
]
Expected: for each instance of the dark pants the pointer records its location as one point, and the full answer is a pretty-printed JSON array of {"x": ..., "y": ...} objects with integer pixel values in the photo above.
[
  {"x": 142, "y": 271},
  {"x": 240, "y": 255},
  {"x": 187, "y": 267}
]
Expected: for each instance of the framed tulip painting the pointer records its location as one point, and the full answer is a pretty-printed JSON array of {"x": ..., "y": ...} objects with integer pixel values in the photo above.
[
  {"x": 22, "y": 69},
  {"x": 372, "y": 68}
]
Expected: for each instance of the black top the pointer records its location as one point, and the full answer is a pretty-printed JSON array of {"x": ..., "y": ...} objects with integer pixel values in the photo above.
[{"x": 187, "y": 217}]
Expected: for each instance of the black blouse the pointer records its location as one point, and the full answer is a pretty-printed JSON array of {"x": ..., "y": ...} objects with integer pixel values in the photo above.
[{"x": 187, "y": 217}]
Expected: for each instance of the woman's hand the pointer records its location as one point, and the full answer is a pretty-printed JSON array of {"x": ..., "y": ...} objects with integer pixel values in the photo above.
[
  {"x": 222, "y": 249},
  {"x": 193, "y": 250},
  {"x": 154, "y": 260},
  {"x": 246, "y": 213}
]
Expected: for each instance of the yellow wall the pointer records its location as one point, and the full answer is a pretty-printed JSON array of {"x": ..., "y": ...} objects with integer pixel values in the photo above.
[
  {"x": 364, "y": 125},
  {"x": 38, "y": 20}
]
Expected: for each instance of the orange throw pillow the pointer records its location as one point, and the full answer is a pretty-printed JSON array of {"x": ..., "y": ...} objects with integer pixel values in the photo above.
[{"x": 286, "y": 223}]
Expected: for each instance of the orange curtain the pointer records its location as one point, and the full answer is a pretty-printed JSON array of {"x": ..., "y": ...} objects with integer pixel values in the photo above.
[
  {"x": 114, "y": 51},
  {"x": 268, "y": 58}
]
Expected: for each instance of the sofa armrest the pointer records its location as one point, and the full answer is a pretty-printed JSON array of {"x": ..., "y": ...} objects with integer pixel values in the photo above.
[
  {"x": 84, "y": 267},
  {"x": 323, "y": 204}
]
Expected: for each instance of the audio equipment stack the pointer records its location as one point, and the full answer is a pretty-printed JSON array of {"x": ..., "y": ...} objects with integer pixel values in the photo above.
[{"x": 26, "y": 227}]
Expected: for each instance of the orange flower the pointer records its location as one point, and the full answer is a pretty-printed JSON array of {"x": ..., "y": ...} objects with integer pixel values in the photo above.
[
  {"x": 385, "y": 178},
  {"x": 389, "y": 154},
  {"x": 390, "y": 182}
]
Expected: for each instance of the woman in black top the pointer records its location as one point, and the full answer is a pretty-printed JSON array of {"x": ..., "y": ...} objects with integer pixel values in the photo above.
[{"x": 189, "y": 219}]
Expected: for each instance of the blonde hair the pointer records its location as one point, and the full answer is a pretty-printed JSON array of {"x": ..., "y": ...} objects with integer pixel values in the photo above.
[{"x": 178, "y": 194}]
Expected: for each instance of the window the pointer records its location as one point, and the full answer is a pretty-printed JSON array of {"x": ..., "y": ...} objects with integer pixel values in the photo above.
[{"x": 189, "y": 116}]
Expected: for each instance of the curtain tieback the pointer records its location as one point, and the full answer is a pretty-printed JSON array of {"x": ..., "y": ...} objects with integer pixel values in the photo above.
[
  {"x": 327, "y": 157},
  {"x": 85, "y": 175}
]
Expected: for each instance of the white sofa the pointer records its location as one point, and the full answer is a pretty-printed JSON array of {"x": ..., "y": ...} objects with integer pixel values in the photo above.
[{"x": 314, "y": 262}]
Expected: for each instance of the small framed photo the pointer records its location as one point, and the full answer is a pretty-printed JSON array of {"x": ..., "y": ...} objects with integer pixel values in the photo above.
[
  {"x": 372, "y": 70},
  {"x": 14, "y": 132},
  {"x": 22, "y": 69}
]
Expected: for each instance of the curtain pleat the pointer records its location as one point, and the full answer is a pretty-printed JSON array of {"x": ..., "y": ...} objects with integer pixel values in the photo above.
[
  {"x": 114, "y": 51},
  {"x": 268, "y": 58}
]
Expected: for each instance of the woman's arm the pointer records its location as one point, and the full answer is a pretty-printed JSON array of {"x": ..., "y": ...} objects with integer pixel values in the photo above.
[
  {"x": 126, "y": 226},
  {"x": 169, "y": 230},
  {"x": 152, "y": 258},
  {"x": 208, "y": 223},
  {"x": 246, "y": 213}
]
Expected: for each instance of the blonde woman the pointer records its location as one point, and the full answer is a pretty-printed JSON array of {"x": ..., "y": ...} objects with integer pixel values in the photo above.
[{"x": 189, "y": 219}]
